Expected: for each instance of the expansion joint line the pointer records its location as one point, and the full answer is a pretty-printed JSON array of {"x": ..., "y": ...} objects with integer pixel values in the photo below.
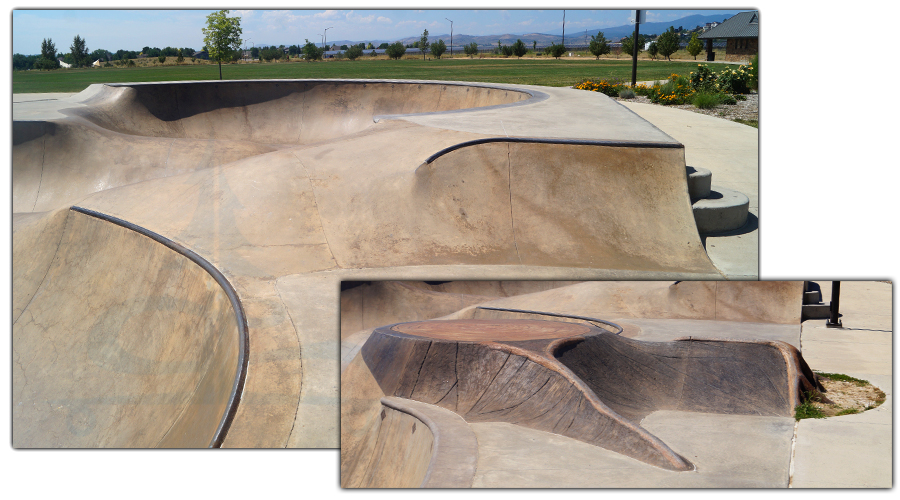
[
  {"x": 37, "y": 195},
  {"x": 47, "y": 272},
  {"x": 316, "y": 202},
  {"x": 512, "y": 219},
  {"x": 299, "y": 357}
]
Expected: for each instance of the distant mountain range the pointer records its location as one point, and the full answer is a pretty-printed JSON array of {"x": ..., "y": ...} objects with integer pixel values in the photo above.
[{"x": 581, "y": 37}]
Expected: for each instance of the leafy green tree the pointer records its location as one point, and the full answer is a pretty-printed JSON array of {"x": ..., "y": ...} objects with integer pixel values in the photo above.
[
  {"x": 395, "y": 50},
  {"x": 599, "y": 45},
  {"x": 180, "y": 58},
  {"x": 653, "y": 50},
  {"x": 354, "y": 52},
  {"x": 438, "y": 48},
  {"x": 556, "y": 50},
  {"x": 79, "y": 52},
  {"x": 534, "y": 45},
  {"x": 222, "y": 36},
  {"x": 667, "y": 43},
  {"x": 694, "y": 46},
  {"x": 519, "y": 48},
  {"x": 311, "y": 52},
  {"x": 423, "y": 43},
  {"x": 628, "y": 47},
  {"x": 162, "y": 59},
  {"x": 48, "y": 56},
  {"x": 506, "y": 50},
  {"x": 471, "y": 49},
  {"x": 254, "y": 52}
]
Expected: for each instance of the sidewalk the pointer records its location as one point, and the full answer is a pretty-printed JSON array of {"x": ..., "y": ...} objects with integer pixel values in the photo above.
[{"x": 852, "y": 451}]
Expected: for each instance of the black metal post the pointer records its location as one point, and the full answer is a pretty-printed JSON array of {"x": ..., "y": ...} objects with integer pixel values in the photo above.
[
  {"x": 634, "y": 43},
  {"x": 835, "y": 320}
]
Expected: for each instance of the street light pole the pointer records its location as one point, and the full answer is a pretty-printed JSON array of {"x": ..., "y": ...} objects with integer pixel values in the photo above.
[
  {"x": 564, "y": 29},
  {"x": 325, "y": 37},
  {"x": 451, "y": 37}
]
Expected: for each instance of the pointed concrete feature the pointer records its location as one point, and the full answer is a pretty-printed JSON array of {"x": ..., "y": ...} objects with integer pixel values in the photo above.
[{"x": 160, "y": 227}]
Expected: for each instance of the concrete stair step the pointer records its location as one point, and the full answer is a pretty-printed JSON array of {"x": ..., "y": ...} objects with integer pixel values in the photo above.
[
  {"x": 723, "y": 210},
  {"x": 699, "y": 182},
  {"x": 815, "y": 311}
]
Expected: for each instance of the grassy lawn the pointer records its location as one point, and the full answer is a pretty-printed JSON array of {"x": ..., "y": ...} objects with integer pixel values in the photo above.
[{"x": 546, "y": 72}]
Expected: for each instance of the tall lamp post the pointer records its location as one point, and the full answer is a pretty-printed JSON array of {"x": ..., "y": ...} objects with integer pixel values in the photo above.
[
  {"x": 325, "y": 36},
  {"x": 451, "y": 37}
]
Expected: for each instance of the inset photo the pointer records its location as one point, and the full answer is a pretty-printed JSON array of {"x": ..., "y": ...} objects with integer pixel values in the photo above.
[{"x": 616, "y": 384}]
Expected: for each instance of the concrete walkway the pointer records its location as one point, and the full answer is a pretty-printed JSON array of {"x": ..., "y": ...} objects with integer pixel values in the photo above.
[{"x": 852, "y": 451}]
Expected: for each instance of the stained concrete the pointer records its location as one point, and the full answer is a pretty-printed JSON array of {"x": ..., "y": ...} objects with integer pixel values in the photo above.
[{"x": 266, "y": 207}]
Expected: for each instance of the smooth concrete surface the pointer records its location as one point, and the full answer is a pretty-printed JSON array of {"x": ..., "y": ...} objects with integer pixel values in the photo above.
[
  {"x": 723, "y": 210},
  {"x": 730, "y": 151},
  {"x": 265, "y": 212},
  {"x": 729, "y": 451},
  {"x": 851, "y": 451}
]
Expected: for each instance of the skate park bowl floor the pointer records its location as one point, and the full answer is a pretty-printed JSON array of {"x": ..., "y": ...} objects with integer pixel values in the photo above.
[{"x": 285, "y": 188}]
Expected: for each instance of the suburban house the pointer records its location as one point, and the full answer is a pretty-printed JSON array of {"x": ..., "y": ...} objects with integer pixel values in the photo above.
[{"x": 741, "y": 34}]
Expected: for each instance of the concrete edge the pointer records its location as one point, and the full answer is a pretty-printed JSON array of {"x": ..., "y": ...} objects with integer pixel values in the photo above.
[
  {"x": 576, "y": 142},
  {"x": 241, "y": 319},
  {"x": 446, "y": 469}
]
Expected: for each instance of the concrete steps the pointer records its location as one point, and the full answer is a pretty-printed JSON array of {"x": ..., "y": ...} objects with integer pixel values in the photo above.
[{"x": 715, "y": 209}]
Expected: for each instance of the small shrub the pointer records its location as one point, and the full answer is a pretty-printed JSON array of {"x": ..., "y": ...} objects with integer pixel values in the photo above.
[
  {"x": 703, "y": 78},
  {"x": 641, "y": 89},
  {"x": 626, "y": 94},
  {"x": 706, "y": 100},
  {"x": 728, "y": 99},
  {"x": 734, "y": 81},
  {"x": 754, "y": 72},
  {"x": 671, "y": 92},
  {"x": 162, "y": 59},
  {"x": 603, "y": 86}
]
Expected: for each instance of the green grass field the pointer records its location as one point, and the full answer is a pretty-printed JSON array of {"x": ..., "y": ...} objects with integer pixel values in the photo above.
[{"x": 546, "y": 72}]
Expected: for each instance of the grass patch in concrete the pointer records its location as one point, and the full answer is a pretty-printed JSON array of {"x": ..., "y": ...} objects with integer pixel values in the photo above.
[
  {"x": 752, "y": 123},
  {"x": 843, "y": 395}
]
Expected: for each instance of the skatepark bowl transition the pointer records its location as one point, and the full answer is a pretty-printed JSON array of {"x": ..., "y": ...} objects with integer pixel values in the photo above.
[
  {"x": 178, "y": 246},
  {"x": 694, "y": 384}
]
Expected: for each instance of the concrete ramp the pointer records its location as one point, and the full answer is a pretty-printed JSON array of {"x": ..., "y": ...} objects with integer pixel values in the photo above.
[{"x": 119, "y": 341}]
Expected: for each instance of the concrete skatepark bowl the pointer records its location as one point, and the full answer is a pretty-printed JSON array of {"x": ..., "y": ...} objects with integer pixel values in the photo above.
[{"x": 177, "y": 247}]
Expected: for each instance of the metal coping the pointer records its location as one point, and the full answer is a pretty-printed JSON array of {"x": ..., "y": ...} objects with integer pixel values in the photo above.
[
  {"x": 536, "y": 95},
  {"x": 557, "y": 315},
  {"x": 240, "y": 317},
  {"x": 579, "y": 142}
]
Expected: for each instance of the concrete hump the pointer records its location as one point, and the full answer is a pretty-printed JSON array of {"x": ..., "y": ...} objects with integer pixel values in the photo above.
[
  {"x": 123, "y": 343},
  {"x": 581, "y": 381}
]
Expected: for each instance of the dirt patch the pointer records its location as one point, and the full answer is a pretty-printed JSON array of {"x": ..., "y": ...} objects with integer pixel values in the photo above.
[
  {"x": 845, "y": 395},
  {"x": 744, "y": 110}
]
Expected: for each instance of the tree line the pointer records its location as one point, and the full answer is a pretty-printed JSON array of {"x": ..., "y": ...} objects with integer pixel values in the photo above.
[{"x": 79, "y": 55}]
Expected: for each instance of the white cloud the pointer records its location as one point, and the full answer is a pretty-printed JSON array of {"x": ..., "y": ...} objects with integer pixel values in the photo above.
[
  {"x": 328, "y": 14},
  {"x": 385, "y": 20},
  {"x": 244, "y": 14},
  {"x": 359, "y": 19}
]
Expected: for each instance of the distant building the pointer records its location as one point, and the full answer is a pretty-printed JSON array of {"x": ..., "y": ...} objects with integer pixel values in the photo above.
[
  {"x": 96, "y": 63},
  {"x": 741, "y": 34},
  {"x": 201, "y": 54}
]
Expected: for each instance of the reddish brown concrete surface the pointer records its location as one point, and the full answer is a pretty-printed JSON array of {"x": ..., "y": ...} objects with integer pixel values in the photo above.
[{"x": 272, "y": 181}]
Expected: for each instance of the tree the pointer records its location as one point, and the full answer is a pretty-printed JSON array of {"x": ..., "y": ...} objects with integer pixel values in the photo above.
[
  {"x": 628, "y": 48},
  {"x": 311, "y": 52},
  {"x": 653, "y": 50},
  {"x": 79, "y": 52},
  {"x": 254, "y": 52},
  {"x": 471, "y": 49},
  {"x": 438, "y": 48},
  {"x": 423, "y": 43},
  {"x": 667, "y": 43},
  {"x": 534, "y": 45},
  {"x": 396, "y": 50},
  {"x": 180, "y": 58},
  {"x": 48, "y": 56},
  {"x": 354, "y": 52},
  {"x": 519, "y": 48},
  {"x": 162, "y": 59},
  {"x": 599, "y": 45},
  {"x": 556, "y": 50},
  {"x": 222, "y": 36},
  {"x": 694, "y": 46}
]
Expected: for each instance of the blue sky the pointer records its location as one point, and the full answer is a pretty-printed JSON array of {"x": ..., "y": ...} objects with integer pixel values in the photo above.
[{"x": 134, "y": 29}]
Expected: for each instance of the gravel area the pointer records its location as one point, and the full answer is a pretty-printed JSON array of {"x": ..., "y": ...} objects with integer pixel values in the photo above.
[{"x": 744, "y": 110}]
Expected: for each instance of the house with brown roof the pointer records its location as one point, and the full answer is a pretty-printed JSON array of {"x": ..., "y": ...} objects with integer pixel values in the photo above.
[{"x": 741, "y": 34}]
